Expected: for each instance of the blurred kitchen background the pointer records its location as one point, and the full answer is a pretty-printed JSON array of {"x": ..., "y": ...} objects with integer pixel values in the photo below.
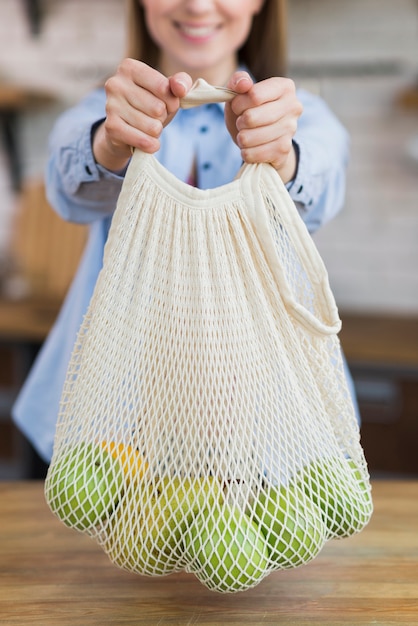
[{"x": 362, "y": 57}]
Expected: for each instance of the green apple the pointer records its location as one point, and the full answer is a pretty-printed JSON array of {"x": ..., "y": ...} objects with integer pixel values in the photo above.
[
  {"x": 342, "y": 492},
  {"x": 177, "y": 502},
  {"x": 134, "y": 540},
  {"x": 226, "y": 550},
  {"x": 292, "y": 525},
  {"x": 146, "y": 532},
  {"x": 83, "y": 485}
]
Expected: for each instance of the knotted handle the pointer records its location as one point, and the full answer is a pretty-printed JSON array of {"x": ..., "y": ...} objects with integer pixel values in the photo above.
[{"x": 203, "y": 93}]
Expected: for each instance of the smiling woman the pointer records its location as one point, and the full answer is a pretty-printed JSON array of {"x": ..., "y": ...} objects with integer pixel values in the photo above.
[
  {"x": 263, "y": 53},
  {"x": 90, "y": 148},
  {"x": 201, "y": 38}
]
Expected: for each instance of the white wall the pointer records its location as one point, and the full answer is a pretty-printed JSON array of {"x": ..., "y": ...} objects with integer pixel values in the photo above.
[
  {"x": 357, "y": 53},
  {"x": 81, "y": 42},
  {"x": 371, "y": 249}
]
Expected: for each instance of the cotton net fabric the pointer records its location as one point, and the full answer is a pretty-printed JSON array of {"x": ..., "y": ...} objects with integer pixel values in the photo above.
[{"x": 206, "y": 424}]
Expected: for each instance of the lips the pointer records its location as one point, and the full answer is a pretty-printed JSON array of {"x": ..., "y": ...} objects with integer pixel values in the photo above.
[{"x": 196, "y": 31}]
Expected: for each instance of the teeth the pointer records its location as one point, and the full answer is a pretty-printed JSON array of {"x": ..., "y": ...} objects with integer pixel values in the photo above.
[{"x": 197, "y": 31}]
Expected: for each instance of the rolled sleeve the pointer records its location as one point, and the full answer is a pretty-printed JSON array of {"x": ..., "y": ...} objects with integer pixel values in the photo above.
[
  {"x": 322, "y": 145},
  {"x": 77, "y": 187}
]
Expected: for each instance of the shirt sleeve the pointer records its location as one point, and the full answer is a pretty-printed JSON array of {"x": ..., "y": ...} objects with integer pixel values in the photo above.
[
  {"x": 77, "y": 187},
  {"x": 322, "y": 143}
]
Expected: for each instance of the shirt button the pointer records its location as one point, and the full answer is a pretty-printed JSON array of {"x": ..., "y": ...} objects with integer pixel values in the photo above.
[
  {"x": 207, "y": 165},
  {"x": 204, "y": 129}
]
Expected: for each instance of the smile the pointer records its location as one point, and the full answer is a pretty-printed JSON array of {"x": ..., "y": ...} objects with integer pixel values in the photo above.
[{"x": 196, "y": 32}]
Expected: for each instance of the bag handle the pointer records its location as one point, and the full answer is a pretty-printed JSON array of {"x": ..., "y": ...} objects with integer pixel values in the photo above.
[
  {"x": 264, "y": 180},
  {"x": 202, "y": 92}
]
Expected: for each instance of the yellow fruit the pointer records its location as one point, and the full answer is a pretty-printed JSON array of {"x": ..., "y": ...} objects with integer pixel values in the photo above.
[{"x": 129, "y": 457}]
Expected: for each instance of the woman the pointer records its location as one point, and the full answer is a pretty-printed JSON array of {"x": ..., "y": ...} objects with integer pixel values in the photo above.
[{"x": 239, "y": 43}]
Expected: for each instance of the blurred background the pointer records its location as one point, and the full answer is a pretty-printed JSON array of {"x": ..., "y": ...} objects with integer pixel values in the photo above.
[{"x": 362, "y": 57}]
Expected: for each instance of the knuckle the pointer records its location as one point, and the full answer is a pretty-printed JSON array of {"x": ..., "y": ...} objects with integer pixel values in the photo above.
[
  {"x": 247, "y": 156},
  {"x": 158, "y": 109},
  {"x": 248, "y": 119},
  {"x": 299, "y": 108},
  {"x": 255, "y": 97},
  {"x": 148, "y": 144},
  {"x": 283, "y": 146},
  {"x": 125, "y": 67},
  {"x": 110, "y": 85},
  {"x": 235, "y": 107},
  {"x": 155, "y": 128},
  {"x": 111, "y": 125},
  {"x": 292, "y": 126},
  {"x": 289, "y": 85},
  {"x": 243, "y": 139}
]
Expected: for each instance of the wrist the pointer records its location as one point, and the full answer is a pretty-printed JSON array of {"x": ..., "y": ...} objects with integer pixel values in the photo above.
[
  {"x": 289, "y": 169},
  {"x": 113, "y": 158}
]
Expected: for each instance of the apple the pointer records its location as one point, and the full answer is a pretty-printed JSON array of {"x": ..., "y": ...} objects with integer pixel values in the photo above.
[
  {"x": 178, "y": 501},
  {"x": 292, "y": 525},
  {"x": 343, "y": 493},
  {"x": 135, "y": 540},
  {"x": 226, "y": 550},
  {"x": 83, "y": 485},
  {"x": 145, "y": 534}
]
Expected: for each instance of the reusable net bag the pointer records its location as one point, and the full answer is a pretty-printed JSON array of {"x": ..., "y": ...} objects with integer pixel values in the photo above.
[{"x": 205, "y": 423}]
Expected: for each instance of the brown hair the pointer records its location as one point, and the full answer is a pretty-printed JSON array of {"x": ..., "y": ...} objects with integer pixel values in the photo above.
[{"x": 263, "y": 53}]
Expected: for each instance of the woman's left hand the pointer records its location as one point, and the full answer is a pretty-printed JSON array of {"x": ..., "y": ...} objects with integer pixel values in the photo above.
[{"x": 262, "y": 119}]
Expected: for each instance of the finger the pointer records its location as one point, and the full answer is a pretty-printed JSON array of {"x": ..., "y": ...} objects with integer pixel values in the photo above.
[
  {"x": 253, "y": 137},
  {"x": 276, "y": 152},
  {"x": 281, "y": 90},
  {"x": 134, "y": 129},
  {"x": 123, "y": 92},
  {"x": 240, "y": 82},
  {"x": 263, "y": 115},
  {"x": 180, "y": 84},
  {"x": 158, "y": 85},
  {"x": 144, "y": 104},
  {"x": 269, "y": 143}
]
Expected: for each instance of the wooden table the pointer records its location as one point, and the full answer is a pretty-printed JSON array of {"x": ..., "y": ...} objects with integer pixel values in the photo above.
[
  {"x": 51, "y": 575},
  {"x": 381, "y": 342},
  {"x": 26, "y": 321}
]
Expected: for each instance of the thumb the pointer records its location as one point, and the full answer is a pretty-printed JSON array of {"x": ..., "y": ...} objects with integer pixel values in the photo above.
[
  {"x": 241, "y": 82},
  {"x": 180, "y": 84}
]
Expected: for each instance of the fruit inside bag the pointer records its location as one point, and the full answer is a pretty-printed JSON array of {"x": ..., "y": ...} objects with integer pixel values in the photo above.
[{"x": 205, "y": 423}]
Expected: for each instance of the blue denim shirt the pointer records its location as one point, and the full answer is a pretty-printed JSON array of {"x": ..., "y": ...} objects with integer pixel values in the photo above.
[{"x": 82, "y": 191}]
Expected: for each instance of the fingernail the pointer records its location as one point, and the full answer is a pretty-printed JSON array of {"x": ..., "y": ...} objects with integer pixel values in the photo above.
[
  {"x": 239, "y": 80},
  {"x": 183, "y": 84}
]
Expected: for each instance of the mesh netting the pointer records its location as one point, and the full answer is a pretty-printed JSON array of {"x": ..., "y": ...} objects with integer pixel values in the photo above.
[{"x": 206, "y": 424}]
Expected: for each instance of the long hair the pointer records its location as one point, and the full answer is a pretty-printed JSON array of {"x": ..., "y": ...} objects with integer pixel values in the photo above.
[{"x": 263, "y": 53}]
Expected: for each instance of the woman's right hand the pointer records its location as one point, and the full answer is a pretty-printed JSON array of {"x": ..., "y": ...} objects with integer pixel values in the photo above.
[{"x": 140, "y": 101}]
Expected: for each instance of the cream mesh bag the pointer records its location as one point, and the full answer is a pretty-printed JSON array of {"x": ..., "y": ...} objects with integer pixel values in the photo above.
[{"x": 205, "y": 423}]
